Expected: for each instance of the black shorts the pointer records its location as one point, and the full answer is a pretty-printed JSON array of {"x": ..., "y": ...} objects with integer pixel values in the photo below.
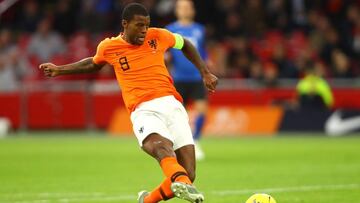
[{"x": 191, "y": 91}]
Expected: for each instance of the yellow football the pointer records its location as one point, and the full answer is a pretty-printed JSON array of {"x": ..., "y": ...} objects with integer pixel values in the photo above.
[{"x": 261, "y": 198}]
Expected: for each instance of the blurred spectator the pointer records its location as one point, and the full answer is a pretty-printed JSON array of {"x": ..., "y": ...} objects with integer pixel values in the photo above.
[
  {"x": 162, "y": 8},
  {"x": 356, "y": 46},
  {"x": 233, "y": 25},
  {"x": 271, "y": 74},
  {"x": 89, "y": 19},
  {"x": 218, "y": 55},
  {"x": 302, "y": 59},
  {"x": 29, "y": 17},
  {"x": 298, "y": 10},
  {"x": 157, "y": 19},
  {"x": 80, "y": 46},
  {"x": 340, "y": 65},
  {"x": 254, "y": 13},
  {"x": 239, "y": 57},
  {"x": 277, "y": 15},
  {"x": 12, "y": 65},
  {"x": 318, "y": 25},
  {"x": 331, "y": 43},
  {"x": 244, "y": 38},
  {"x": 354, "y": 30},
  {"x": 8, "y": 80},
  {"x": 314, "y": 93},
  {"x": 45, "y": 43},
  {"x": 256, "y": 71},
  {"x": 285, "y": 67},
  {"x": 103, "y": 6},
  {"x": 64, "y": 17},
  {"x": 225, "y": 6}
]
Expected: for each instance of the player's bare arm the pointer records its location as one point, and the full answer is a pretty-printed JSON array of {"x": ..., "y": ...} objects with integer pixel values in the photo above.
[
  {"x": 192, "y": 54},
  {"x": 83, "y": 66}
]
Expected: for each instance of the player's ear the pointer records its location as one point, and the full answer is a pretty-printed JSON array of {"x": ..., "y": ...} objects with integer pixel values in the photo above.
[{"x": 124, "y": 23}]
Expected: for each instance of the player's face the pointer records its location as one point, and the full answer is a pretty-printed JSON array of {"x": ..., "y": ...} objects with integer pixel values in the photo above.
[
  {"x": 185, "y": 9},
  {"x": 136, "y": 29}
]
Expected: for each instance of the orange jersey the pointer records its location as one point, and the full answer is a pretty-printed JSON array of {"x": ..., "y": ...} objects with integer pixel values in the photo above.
[{"x": 140, "y": 69}]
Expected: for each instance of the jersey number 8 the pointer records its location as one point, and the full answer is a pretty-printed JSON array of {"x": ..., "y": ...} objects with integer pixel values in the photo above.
[{"x": 124, "y": 63}]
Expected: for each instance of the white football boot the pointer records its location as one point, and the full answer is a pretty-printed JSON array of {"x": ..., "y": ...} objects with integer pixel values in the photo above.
[
  {"x": 186, "y": 192},
  {"x": 142, "y": 195}
]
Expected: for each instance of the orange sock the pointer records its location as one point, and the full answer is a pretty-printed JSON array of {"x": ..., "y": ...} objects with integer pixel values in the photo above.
[
  {"x": 163, "y": 192},
  {"x": 173, "y": 170}
]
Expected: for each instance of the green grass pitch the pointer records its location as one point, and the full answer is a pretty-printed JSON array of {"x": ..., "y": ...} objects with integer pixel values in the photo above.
[{"x": 76, "y": 167}]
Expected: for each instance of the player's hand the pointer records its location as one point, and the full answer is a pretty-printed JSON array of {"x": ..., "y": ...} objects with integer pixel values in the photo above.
[
  {"x": 49, "y": 69},
  {"x": 210, "y": 81}
]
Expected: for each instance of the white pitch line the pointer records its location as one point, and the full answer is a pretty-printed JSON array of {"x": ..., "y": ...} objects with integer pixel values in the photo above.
[
  {"x": 52, "y": 194},
  {"x": 81, "y": 199},
  {"x": 72, "y": 197},
  {"x": 287, "y": 189}
]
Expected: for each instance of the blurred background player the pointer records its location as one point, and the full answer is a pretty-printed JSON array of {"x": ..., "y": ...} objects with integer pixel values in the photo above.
[{"x": 187, "y": 78}]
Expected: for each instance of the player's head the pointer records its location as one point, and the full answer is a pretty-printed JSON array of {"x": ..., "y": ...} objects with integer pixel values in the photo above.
[
  {"x": 136, "y": 21},
  {"x": 184, "y": 10}
]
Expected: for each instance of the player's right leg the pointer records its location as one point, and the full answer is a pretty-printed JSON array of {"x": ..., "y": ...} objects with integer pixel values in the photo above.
[
  {"x": 185, "y": 153},
  {"x": 179, "y": 172},
  {"x": 152, "y": 122},
  {"x": 155, "y": 139},
  {"x": 186, "y": 158},
  {"x": 162, "y": 150}
]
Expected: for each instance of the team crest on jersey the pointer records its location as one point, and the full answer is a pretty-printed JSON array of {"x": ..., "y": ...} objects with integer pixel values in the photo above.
[
  {"x": 141, "y": 130},
  {"x": 152, "y": 43}
]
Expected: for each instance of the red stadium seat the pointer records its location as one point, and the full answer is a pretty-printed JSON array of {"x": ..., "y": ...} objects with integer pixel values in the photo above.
[
  {"x": 80, "y": 46},
  {"x": 23, "y": 41},
  {"x": 296, "y": 43}
]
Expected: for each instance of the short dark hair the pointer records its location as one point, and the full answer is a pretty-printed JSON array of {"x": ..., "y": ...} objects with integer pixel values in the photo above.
[{"x": 133, "y": 9}]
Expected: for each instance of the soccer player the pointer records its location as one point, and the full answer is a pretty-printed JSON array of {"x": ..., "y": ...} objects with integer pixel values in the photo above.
[
  {"x": 187, "y": 78},
  {"x": 159, "y": 119}
]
